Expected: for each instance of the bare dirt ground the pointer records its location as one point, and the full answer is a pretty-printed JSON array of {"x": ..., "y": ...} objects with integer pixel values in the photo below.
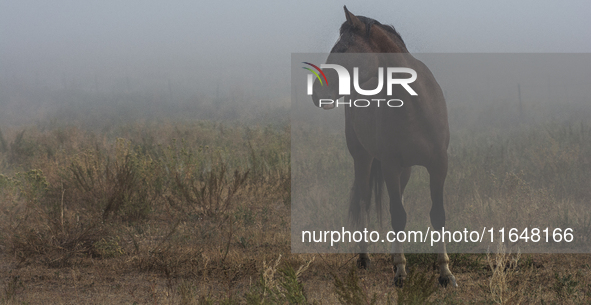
[{"x": 110, "y": 282}]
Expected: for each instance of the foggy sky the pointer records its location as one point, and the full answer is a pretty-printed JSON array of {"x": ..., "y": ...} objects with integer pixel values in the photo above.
[{"x": 198, "y": 45}]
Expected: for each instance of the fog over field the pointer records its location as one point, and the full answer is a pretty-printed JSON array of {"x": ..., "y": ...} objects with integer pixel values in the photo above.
[
  {"x": 149, "y": 152},
  {"x": 236, "y": 52}
]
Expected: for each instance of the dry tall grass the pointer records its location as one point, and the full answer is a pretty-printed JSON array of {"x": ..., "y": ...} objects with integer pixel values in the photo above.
[{"x": 199, "y": 213}]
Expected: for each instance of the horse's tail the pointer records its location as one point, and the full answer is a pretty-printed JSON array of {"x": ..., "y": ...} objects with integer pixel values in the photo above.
[
  {"x": 376, "y": 182},
  {"x": 360, "y": 204}
]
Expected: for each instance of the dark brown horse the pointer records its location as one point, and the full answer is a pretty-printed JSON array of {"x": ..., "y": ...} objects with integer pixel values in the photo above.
[{"x": 386, "y": 141}]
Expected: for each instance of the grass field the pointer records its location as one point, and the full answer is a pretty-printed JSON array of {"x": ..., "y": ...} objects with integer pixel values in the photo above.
[{"x": 181, "y": 209}]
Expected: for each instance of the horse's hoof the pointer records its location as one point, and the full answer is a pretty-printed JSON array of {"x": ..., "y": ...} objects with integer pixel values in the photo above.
[
  {"x": 399, "y": 281},
  {"x": 363, "y": 263},
  {"x": 445, "y": 280}
]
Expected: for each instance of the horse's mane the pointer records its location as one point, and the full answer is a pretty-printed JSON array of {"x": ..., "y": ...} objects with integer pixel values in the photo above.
[{"x": 372, "y": 22}]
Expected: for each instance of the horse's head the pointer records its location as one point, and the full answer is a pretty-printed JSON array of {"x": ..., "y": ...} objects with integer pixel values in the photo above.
[{"x": 358, "y": 35}]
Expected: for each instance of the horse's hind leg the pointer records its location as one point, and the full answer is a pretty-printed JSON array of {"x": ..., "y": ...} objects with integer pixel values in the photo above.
[
  {"x": 393, "y": 177},
  {"x": 360, "y": 201},
  {"x": 437, "y": 176},
  {"x": 404, "y": 177}
]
